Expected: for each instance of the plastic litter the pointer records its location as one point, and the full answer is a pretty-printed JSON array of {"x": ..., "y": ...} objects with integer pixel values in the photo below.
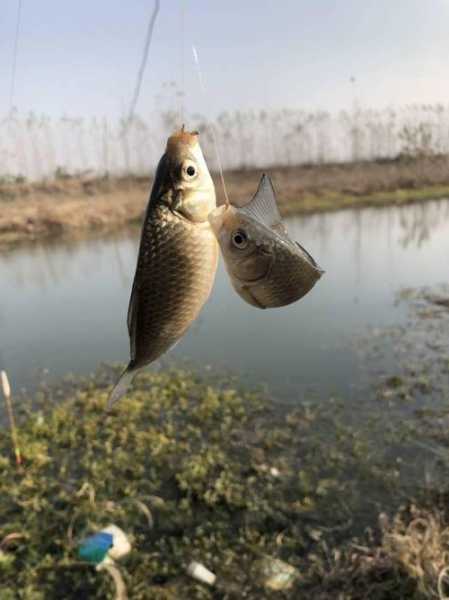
[
  {"x": 109, "y": 544},
  {"x": 120, "y": 545},
  {"x": 94, "y": 549},
  {"x": 201, "y": 573}
]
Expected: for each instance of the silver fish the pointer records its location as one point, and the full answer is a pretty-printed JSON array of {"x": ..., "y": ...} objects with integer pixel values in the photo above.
[
  {"x": 177, "y": 257},
  {"x": 267, "y": 269}
]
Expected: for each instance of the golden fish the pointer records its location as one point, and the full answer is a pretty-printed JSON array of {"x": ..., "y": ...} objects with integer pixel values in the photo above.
[
  {"x": 177, "y": 257},
  {"x": 267, "y": 269}
]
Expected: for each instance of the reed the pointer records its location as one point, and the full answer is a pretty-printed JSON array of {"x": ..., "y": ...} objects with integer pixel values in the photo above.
[
  {"x": 35, "y": 146},
  {"x": 6, "y": 388}
]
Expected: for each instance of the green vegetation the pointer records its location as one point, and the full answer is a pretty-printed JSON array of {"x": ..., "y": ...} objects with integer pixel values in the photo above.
[
  {"x": 228, "y": 482},
  {"x": 331, "y": 201}
]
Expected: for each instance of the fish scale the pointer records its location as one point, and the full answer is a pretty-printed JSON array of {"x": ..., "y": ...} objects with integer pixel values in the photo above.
[
  {"x": 287, "y": 282},
  {"x": 179, "y": 256}
]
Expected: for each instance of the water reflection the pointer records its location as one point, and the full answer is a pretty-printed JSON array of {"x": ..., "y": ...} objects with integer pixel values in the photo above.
[
  {"x": 63, "y": 305},
  {"x": 45, "y": 264},
  {"x": 420, "y": 221}
]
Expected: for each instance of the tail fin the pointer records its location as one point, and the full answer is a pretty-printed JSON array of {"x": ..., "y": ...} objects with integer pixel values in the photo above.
[{"x": 120, "y": 387}]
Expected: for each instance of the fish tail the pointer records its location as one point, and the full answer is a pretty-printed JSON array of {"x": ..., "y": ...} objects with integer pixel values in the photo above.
[{"x": 121, "y": 386}]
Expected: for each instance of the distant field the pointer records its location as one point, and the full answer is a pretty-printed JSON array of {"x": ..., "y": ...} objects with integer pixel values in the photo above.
[{"x": 74, "y": 205}]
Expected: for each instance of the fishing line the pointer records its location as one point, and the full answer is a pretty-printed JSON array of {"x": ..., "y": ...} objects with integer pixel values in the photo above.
[
  {"x": 143, "y": 63},
  {"x": 15, "y": 52},
  {"x": 211, "y": 124},
  {"x": 181, "y": 64}
]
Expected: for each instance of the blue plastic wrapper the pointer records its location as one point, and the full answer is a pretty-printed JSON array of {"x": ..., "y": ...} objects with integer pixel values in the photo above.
[{"x": 94, "y": 548}]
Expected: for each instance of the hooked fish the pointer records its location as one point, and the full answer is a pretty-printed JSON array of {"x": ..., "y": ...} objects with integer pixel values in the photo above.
[
  {"x": 177, "y": 258},
  {"x": 266, "y": 267}
]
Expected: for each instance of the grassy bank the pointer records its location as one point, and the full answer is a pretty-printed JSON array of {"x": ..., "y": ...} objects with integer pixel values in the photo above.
[
  {"x": 72, "y": 206},
  {"x": 223, "y": 479}
]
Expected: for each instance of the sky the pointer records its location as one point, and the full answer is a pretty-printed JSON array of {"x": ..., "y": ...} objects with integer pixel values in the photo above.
[{"x": 81, "y": 58}]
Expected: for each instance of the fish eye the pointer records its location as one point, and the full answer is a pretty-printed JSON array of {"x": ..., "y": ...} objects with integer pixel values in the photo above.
[
  {"x": 240, "y": 239},
  {"x": 189, "y": 170}
]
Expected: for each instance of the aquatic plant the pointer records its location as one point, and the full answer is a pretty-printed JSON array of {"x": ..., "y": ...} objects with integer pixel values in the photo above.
[{"x": 223, "y": 479}]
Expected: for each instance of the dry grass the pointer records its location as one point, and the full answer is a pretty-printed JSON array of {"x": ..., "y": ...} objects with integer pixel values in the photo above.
[
  {"x": 418, "y": 542},
  {"x": 69, "y": 207},
  {"x": 313, "y": 188},
  {"x": 404, "y": 558},
  {"x": 73, "y": 205}
]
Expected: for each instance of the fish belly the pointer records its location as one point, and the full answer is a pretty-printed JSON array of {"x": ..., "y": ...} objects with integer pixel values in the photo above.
[{"x": 174, "y": 277}]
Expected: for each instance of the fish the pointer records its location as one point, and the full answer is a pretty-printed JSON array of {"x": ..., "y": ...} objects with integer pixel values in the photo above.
[
  {"x": 266, "y": 267},
  {"x": 177, "y": 258}
]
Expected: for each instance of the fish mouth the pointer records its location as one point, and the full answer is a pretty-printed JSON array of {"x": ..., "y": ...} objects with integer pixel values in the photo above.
[{"x": 182, "y": 138}]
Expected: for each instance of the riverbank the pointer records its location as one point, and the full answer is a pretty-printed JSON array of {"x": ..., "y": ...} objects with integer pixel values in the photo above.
[
  {"x": 198, "y": 469},
  {"x": 71, "y": 206}
]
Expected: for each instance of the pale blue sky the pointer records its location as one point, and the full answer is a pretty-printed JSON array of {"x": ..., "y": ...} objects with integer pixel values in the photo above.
[{"x": 80, "y": 58}]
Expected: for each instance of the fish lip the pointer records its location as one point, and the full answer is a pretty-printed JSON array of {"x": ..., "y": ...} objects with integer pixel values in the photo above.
[{"x": 181, "y": 138}]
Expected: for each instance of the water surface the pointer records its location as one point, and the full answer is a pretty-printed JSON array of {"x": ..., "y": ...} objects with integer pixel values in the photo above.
[{"x": 63, "y": 304}]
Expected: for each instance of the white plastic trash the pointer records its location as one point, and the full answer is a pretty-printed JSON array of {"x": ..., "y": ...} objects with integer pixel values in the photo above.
[
  {"x": 120, "y": 543},
  {"x": 201, "y": 573}
]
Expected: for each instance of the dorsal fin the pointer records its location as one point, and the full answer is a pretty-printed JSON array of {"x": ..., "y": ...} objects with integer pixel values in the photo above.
[{"x": 263, "y": 207}]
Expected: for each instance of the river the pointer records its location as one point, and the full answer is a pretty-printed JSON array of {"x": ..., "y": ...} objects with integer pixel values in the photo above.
[{"x": 63, "y": 304}]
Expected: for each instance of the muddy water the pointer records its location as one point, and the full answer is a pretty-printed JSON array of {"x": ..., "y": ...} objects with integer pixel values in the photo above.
[{"x": 63, "y": 304}]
